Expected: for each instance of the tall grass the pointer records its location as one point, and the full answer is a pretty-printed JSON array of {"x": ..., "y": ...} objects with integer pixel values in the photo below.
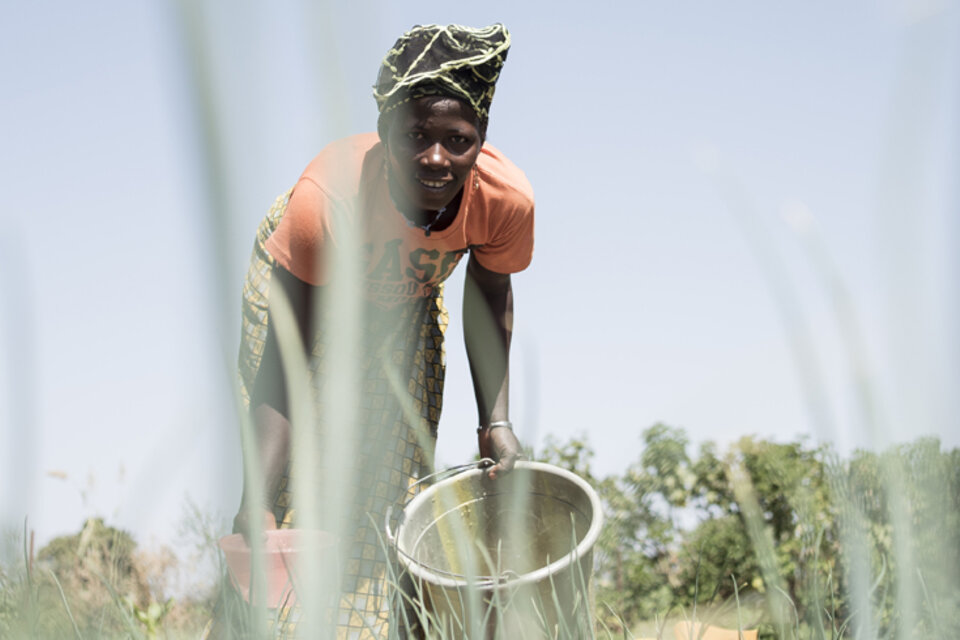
[
  {"x": 872, "y": 580},
  {"x": 919, "y": 598}
]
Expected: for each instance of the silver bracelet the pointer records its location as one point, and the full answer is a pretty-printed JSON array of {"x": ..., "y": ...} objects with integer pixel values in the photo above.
[{"x": 494, "y": 425}]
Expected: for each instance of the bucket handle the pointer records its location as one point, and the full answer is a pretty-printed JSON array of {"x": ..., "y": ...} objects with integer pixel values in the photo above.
[{"x": 483, "y": 463}]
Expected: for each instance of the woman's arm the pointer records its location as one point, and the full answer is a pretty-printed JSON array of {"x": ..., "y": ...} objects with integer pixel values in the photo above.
[
  {"x": 487, "y": 328},
  {"x": 269, "y": 411}
]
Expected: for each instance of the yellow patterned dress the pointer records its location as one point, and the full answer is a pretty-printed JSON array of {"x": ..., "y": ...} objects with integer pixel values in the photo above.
[{"x": 408, "y": 339}]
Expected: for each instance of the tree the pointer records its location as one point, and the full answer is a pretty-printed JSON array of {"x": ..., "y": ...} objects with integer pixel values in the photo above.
[
  {"x": 94, "y": 583},
  {"x": 769, "y": 516}
]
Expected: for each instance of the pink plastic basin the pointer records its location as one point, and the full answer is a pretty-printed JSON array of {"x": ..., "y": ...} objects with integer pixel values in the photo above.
[{"x": 281, "y": 557}]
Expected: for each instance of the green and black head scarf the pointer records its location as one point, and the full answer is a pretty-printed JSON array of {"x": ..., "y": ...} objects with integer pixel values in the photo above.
[{"x": 456, "y": 61}]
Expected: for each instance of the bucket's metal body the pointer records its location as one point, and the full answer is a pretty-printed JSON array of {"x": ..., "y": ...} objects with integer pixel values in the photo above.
[{"x": 510, "y": 558}]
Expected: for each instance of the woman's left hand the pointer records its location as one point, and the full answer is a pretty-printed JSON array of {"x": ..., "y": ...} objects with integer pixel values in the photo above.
[{"x": 501, "y": 444}]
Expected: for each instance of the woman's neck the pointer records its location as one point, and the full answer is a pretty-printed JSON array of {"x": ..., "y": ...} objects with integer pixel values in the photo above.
[{"x": 429, "y": 221}]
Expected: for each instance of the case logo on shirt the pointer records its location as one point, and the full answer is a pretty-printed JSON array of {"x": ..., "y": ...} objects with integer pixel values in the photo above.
[{"x": 394, "y": 275}]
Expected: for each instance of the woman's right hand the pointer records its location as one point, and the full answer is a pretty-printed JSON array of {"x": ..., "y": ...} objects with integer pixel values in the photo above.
[{"x": 243, "y": 525}]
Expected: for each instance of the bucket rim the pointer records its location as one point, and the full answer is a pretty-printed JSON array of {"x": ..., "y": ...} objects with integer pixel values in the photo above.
[{"x": 582, "y": 550}]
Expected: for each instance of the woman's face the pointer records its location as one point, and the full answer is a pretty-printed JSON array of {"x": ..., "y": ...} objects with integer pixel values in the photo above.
[{"x": 432, "y": 144}]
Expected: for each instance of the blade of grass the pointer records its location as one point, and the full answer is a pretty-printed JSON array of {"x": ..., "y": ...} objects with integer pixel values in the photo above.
[{"x": 66, "y": 605}]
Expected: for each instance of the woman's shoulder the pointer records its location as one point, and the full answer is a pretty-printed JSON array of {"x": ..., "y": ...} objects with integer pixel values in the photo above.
[
  {"x": 339, "y": 167},
  {"x": 504, "y": 179}
]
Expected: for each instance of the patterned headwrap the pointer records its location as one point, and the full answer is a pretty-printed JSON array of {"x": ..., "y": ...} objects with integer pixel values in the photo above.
[{"x": 456, "y": 61}]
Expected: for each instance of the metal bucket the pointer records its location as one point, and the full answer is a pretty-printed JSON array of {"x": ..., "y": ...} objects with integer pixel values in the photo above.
[{"x": 509, "y": 558}]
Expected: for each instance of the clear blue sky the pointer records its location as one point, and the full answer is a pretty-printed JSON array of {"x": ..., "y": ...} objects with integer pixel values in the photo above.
[{"x": 746, "y": 217}]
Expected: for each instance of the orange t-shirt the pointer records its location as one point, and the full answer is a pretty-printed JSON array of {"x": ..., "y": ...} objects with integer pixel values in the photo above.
[{"x": 346, "y": 184}]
